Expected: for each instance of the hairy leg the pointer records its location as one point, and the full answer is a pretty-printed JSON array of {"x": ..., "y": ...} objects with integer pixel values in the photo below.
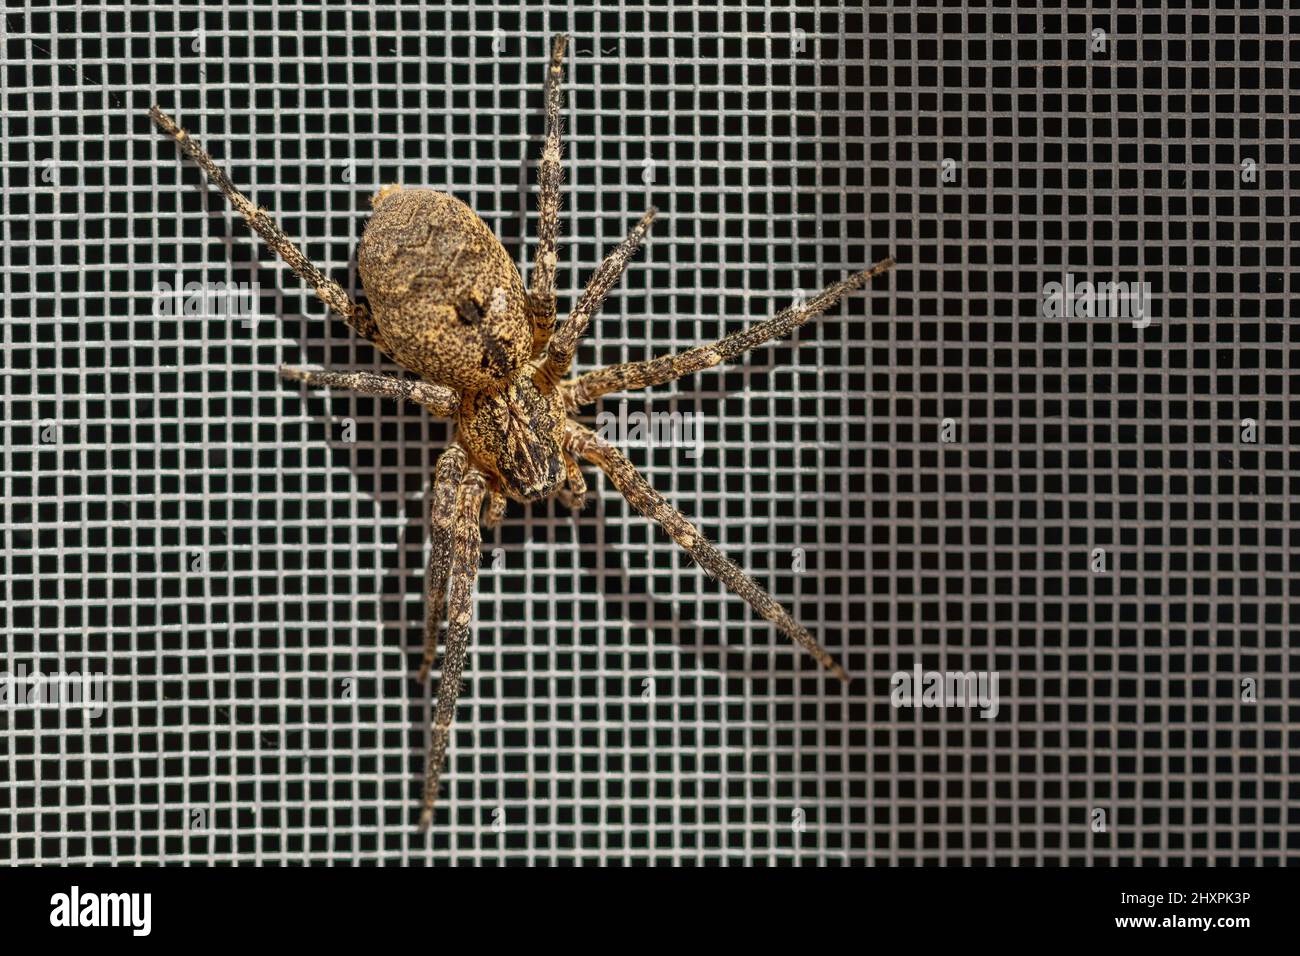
[
  {"x": 559, "y": 354},
  {"x": 574, "y": 494},
  {"x": 331, "y": 293},
  {"x": 460, "y": 610},
  {"x": 633, "y": 375},
  {"x": 439, "y": 400},
  {"x": 496, "y": 509},
  {"x": 442, "y": 513},
  {"x": 541, "y": 284},
  {"x": 585, "y": 443}
]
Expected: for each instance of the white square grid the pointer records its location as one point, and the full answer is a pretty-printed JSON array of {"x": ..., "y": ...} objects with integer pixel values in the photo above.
[{"x": 251, "y": 582}]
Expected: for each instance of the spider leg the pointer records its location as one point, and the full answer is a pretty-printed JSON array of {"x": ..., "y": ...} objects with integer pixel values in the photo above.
[
  {"x": 559, "y": 354},
  {"x": 575, "y": 494},
  {"x": 541, "y": 285},
  {"x": 442, "y": 512},
  {"x": 633, "y": 375},
  {"x": 585, "y": 443},
  {"x": 437, "y": 399},
  {"x": 331, "y": 293},
  {"x": 496, "y": 509},
  {"x": 460, "y": 609}
]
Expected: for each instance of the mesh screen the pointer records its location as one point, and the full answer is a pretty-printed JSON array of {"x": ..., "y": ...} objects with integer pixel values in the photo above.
[{"x": 934, "y": 474}]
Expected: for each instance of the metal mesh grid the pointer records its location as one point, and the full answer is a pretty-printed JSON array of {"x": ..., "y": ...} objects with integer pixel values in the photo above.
[{"x": 177, "y": 517}]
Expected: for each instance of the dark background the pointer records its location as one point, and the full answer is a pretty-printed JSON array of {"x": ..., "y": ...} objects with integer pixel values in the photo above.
[{"x": 264, "y": 709}]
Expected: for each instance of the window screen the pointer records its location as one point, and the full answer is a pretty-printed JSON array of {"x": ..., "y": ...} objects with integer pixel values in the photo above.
[{"x": 946, "y": 473}]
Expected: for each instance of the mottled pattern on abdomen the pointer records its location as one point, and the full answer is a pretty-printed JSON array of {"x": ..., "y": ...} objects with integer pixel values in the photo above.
[{"x": 447, "y": 298}]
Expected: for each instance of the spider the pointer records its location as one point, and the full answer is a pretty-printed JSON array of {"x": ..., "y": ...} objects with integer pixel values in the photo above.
[{"x": 446, "y": 302}]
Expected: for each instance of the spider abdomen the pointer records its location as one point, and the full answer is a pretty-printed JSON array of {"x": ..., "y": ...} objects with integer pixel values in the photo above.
[{"x": 446, "y": 296}]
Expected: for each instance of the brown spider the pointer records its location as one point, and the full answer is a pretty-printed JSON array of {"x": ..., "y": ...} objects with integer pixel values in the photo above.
[{"x": 449, "y": 304}]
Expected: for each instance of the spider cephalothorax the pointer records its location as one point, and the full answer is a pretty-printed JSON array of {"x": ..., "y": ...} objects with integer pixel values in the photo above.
[
  {"x": 516, "y": 433},
  {"x": 447, "y": 302}
]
